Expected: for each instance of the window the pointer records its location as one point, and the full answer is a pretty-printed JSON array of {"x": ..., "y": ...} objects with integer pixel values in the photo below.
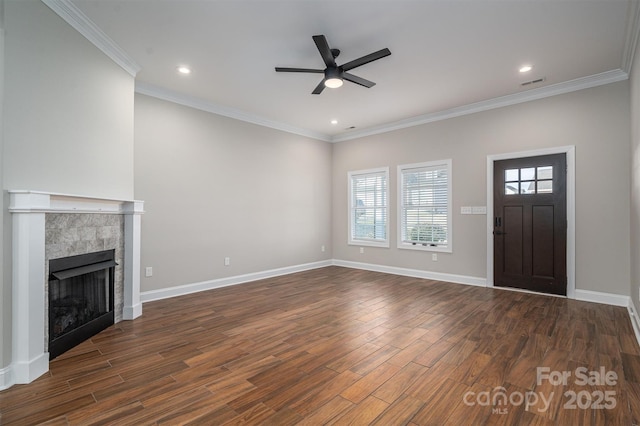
[
  {"x": 424, "y": 207},
  {"x": 368, "y": 207},
  {"x": 530, "y": 180}
]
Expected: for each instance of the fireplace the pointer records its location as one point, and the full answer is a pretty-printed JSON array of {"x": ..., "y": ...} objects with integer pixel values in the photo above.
[
  {"x": 81, "y": 298},
  {"x": 48, "y": 226}
]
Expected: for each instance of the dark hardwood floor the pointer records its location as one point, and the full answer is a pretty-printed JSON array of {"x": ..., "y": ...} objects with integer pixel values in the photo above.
[{"x": 342, "y": 346}]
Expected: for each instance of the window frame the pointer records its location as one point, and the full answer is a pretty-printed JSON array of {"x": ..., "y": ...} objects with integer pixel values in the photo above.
[
  {"x": 446, "y": 164},
  {"x": 365, "y": 241}
]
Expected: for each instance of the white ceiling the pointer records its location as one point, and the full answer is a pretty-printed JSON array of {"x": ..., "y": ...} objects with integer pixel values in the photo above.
[{"x": 445, "y": 54}]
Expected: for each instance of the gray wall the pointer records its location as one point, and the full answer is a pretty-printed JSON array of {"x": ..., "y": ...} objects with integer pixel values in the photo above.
[
  {"x": 4, "y": 352},
  {"x": 635, "y": 179},
  {"x": 215, "y": 187},
  {"x": 596, "y": 121},
  {"x": 68, "y": 119},
  {"x": 69, "y": 109}
]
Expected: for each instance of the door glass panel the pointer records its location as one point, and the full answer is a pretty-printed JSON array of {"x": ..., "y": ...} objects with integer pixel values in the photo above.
[
  {"x": 528, "y": 173},
  {"x": 545, "y": 186},
  {"x": 511, "y": 188},
  {"x": 511, "y": 175},
  {"x": 529, "y": 180},
  {"x": 528, "y": 187},
  {"x": 545, "y": 172}
]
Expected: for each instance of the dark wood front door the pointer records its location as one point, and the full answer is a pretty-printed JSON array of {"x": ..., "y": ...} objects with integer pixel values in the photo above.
[{"x": 530, "y": 223}]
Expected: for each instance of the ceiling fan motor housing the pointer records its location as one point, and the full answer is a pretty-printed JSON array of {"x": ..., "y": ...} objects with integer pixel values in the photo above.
[{"x": 331, "y": 72}]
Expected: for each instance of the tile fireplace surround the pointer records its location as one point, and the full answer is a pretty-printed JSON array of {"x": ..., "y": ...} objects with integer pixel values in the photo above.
[{"x": 32, "y": 213}]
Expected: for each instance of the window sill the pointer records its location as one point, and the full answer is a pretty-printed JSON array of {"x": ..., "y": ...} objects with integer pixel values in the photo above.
[
  {"x": 365, "y": 243},
  {"x": 420, "y": 247}
]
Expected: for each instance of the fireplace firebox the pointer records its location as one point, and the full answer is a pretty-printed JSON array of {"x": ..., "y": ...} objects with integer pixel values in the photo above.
[{"x": 80, "y": 298}]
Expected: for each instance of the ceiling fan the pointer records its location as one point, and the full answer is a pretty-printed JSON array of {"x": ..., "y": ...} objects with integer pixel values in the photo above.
[{"x": 334, "y": 74}]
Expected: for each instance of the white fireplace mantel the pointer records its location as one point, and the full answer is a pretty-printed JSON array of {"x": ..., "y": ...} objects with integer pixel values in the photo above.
[{"x": 28, "y": 209}]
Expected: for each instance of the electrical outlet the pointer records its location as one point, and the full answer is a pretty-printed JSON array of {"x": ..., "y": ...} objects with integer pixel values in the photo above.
[
  {"x": 322, "y": 249},
  {"x": 434, "y": 257},
  {"x": 148, "y": 271},
  {"x": 361, "y": 250},
  {"x": 227, "y": 261}
]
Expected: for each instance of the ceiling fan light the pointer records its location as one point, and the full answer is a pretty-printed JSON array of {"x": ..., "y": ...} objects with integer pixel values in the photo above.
[{"x": 333, "y": 83}]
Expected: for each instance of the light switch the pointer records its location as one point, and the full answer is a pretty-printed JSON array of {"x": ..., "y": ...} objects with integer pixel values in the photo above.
[{"x": 479, "y": 210}]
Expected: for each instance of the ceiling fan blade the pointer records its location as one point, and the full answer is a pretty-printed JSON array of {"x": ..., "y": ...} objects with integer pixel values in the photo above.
[
  {"x": 366, "y": 59},
  {"x": 319, "y": 88},
  {"x": 325, "y": 51},
  {"x": 358, "y": 80},
  {"x": 284, "y": 69}
]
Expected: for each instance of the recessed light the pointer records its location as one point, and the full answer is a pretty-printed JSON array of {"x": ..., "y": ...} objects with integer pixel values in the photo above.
[
  {"x": 526, "y": 68},
  {"x": 184, "y": 70},
  {"x": 334, "y": 122}
]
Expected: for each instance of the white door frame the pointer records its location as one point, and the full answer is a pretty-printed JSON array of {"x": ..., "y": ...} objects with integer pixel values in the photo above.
[{"x": 571, "y": 209}]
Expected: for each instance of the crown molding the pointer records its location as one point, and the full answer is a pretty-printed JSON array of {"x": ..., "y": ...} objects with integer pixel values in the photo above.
[
  {"x": 81, "y": 23},
  {"x": 516, "y": 98},
  {"x": 197, "y": 103},
  {"x": 513, "y": 99},
  {"x": 632, "y": 34}
]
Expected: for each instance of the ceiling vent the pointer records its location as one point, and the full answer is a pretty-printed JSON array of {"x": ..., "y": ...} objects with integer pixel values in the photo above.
[{"x": 536, "y": 81}]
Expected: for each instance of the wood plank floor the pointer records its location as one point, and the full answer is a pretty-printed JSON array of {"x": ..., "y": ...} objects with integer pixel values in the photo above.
[{"x": 342, "y": 346}]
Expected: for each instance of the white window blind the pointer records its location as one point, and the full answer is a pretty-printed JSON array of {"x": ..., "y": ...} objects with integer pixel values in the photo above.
[
  {"x": 425, "y": 206},
  {"x": 368, "y": 207}
]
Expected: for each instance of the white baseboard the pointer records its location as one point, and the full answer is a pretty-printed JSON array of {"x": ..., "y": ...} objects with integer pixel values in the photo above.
[
  {"x": 24, "y": 372},
  {"x": 599, "y": 297},
  {"x": 132, "y": 312},
  {"x": 6, "y": 378},
  {"x": 415, "y": 273},
  {"x": 165, "y": 293},
  {"x": 635, "y": 319}
]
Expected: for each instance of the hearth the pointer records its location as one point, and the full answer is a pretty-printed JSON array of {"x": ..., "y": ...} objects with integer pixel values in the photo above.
[{"x": 81, "y": 298}]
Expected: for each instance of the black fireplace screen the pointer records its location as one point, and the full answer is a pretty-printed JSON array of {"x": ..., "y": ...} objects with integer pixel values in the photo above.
[{"x": 80, "y": 298}]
